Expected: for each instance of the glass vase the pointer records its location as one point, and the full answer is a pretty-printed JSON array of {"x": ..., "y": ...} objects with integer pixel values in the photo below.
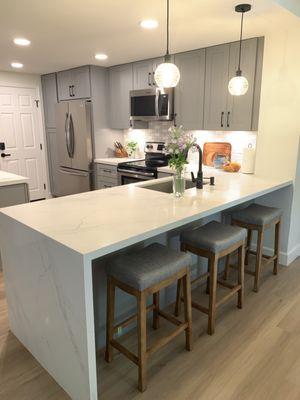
[{"x": 178, "y": 184}]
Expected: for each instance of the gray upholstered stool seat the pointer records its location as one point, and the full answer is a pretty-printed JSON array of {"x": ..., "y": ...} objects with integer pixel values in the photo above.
[
  {"x": 257, "y": 214},
  {"x": 214, "y": 236},
  {"x": 146, "y": 267}
]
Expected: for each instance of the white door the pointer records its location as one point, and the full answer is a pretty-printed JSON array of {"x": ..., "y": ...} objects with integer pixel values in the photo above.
[{"x": 21, "y": 133}]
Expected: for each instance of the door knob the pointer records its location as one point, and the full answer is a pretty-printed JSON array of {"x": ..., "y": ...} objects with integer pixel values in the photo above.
[{"x": 3, "y": 155}]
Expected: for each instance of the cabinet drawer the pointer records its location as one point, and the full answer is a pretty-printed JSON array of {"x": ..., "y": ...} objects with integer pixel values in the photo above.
[
  {"x": 109, "y": 171},
  {"x": 104, "y": 183}
]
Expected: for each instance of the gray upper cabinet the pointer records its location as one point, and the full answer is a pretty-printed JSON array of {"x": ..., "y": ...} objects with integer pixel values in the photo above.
[
  {"x": 216, "y": 82},
  {"x": 189, "y": 94},
  {"x": 240, "y": 113},
  {"x": 49, "y": 98},
  {"x": 74, "y": 83},
  {"x": 143, "y": 73},
  {"x": 222, "y": 111},
  {"x": 120, "y": 84}
]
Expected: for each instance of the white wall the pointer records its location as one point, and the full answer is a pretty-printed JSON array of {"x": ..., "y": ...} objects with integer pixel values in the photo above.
[{"x": 279, "y": 124}]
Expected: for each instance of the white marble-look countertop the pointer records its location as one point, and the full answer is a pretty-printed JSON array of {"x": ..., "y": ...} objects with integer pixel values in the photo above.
[
  {"x": 100, "y": 222},
  {"x": 115, "y": 160},
  {"x": 6, "y": 178}
]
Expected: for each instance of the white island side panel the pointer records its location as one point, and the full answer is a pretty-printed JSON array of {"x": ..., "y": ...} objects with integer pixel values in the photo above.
[{"x": 50, "y": 302}]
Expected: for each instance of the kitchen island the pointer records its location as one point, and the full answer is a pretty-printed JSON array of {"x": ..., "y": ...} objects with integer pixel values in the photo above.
[
  {"x": 48, "y": 251},
  {"x": 13, "y": 189}
]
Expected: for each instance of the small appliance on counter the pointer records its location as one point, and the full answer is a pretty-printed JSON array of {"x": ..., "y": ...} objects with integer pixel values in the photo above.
[{"x": 137, "y": 171}]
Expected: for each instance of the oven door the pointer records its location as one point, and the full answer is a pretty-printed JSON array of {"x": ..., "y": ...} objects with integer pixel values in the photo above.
[{"x": 127, "y": 177}]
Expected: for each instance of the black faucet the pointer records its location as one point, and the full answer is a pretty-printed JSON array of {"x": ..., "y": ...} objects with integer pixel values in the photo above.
[{"x": 199, "y": 180}]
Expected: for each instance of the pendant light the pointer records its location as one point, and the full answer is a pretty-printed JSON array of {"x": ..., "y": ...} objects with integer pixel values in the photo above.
[
  {"x": 167, "y": 74},
  {"x": 238, "y": 85}
]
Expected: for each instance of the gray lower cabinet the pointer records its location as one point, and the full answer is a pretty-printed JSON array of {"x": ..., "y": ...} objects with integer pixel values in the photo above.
[
  {"x": 106, "y": 176},
  {"x": 222, "y": 111},
  {"x": 189, "y": 93},
  {"x": 120, "y": 84},
  {"x": 11, "y": 195},
  {"x": 143, "y": 73},
  {"x": 74, "y": 83},
  {"x": 49, "y": 98}
]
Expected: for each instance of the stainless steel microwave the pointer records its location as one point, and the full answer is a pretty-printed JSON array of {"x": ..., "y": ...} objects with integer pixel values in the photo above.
[{"x": 155, "y": 104}]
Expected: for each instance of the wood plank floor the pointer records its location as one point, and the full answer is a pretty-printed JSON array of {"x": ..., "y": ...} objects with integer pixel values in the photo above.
[{"x": 254, "y": 354}]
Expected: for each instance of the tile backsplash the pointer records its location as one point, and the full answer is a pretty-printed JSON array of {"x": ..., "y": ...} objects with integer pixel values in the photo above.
[{"x": 159, "y": 132}]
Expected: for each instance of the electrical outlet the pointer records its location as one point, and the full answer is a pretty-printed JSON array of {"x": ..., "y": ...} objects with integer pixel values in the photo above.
[{"x": 119, "y": 331}]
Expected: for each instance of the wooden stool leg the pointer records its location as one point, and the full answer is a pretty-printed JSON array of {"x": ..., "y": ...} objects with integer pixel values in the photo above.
[
  {"x": 188, "y": 310},
  {"x": 249, "y": 238},
  {"x": 110, "y": 317},
  {"x": 156, "y": 310},
  {"x": 276, "y": 248},
  {"x": 227, "y": 267},
  {"x": 241, "y": 272},
  {"x": 178, "y": 298},
  {"x": 213, "y": 270},
  {"x": 259, "y": 252},
  {"x": 142, "y": 341}
]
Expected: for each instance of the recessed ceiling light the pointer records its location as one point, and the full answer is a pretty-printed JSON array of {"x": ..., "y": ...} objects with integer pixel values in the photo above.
[
  {"x": 22, "y": 42},
  {"x": 149, "y": 24},
  {"x": 101, "y": 56},
  {"x": 16, "y": 65}
]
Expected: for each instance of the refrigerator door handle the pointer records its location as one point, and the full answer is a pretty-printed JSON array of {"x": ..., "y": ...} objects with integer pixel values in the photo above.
[
  {"x": 72, "y": 136},
  {"x": 67, "y": 132},
  {"x": 76, "y": 173}
]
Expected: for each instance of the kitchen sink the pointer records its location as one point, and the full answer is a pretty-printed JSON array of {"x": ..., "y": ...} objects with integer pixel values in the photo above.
[{"x": 166, "y": 186}]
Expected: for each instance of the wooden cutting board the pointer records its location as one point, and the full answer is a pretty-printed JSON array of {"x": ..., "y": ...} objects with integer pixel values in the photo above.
[{"x": 211, "y": 149}]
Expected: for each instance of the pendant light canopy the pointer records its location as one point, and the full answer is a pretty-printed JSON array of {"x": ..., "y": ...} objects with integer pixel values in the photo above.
[
  {"x": 238, "y": 85},
  {"x": 167, "y": 74}
]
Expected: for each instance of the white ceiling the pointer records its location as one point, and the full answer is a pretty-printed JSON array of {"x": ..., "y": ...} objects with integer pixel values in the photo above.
[{"x": 67, "y": 33}]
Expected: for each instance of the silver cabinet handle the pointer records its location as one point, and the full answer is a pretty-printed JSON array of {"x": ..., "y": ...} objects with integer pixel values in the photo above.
[
  {"x": 222, "y": 116},
  {"x": 107, "y": 170},
  {"x": 153, "y": 79},
  {"x": 228, "y": 123}
]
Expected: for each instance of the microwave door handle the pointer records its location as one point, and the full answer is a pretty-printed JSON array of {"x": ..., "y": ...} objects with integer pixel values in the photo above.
[{"x": 156, "y": 103}]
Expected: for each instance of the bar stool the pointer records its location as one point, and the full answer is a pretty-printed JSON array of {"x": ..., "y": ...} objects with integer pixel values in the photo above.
[
  {"x": 258, "y": 218},
  {"x": 214, "y": 241},
  {"x": 142, "y": 273}
]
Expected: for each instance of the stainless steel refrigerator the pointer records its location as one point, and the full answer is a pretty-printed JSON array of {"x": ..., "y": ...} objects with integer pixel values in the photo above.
[{"x": 75, "y": 147}]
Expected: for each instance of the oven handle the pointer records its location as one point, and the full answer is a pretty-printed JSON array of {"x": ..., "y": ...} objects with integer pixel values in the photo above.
[{"x": 136, "y": 175}]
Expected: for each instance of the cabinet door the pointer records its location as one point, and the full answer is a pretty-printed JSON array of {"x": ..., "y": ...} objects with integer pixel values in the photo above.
[
  {"x": 64, "y": 82},
  {"x": 49, "y": 98},
  {"x": 142, "y": 75},
  {"x": 81, "y": 83},
  {"x": 120, "y": 84},
  {"x": 216, "y": 87},
  {"x": 189, "y": 93},
  {"x": 240, "y": 108}
]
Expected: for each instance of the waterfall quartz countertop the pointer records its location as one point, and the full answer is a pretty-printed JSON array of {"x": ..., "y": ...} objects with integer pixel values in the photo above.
[
  {"x": 6, "y": 179},
  {"x": 100, "y": 222}
]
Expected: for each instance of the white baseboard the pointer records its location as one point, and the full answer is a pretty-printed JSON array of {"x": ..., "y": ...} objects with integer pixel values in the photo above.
[{"x": 284, "y": 258}]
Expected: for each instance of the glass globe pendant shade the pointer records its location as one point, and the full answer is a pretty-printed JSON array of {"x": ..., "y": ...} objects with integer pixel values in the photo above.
[
  {"x": 238, "y": 85},
  {"x": 167, "y": 75}
]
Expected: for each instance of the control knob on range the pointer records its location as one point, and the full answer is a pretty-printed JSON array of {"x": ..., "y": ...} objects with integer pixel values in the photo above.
[{"x": 149, "y": 146}]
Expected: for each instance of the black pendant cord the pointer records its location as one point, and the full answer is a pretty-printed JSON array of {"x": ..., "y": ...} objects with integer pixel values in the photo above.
[
  {"x": 168, "y": 26},
  {"x": 239, "y": 72}
]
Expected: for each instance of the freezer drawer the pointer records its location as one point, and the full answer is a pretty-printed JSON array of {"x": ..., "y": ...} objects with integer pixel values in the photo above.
[{"x": 72, "y": 181}]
